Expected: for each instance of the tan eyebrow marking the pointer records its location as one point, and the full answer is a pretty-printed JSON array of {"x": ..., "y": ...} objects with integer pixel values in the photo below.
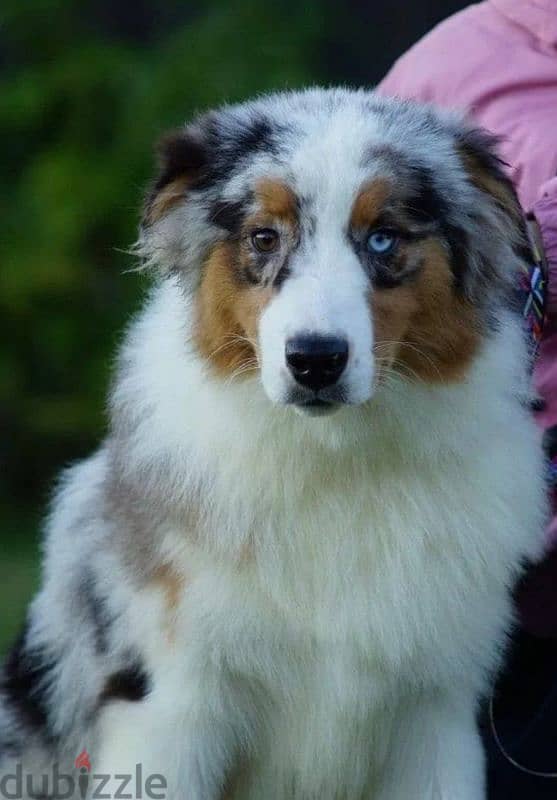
[
  {"x": 369, "y": 203},
  {"x": 277, "y": 200}
]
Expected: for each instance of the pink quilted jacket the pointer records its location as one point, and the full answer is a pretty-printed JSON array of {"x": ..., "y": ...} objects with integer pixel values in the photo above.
[{"x": 498, "y": 60}]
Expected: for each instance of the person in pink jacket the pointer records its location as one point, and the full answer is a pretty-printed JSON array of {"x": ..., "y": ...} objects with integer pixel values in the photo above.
[{"x": 498, "y": 61}]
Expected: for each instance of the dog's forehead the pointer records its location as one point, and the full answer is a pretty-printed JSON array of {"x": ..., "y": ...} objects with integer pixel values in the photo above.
[
  {"x": 330, "y": 163},
  {"x": 327, "y": 156}
]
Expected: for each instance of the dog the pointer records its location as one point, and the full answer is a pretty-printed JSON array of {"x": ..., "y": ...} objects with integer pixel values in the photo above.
[{"x": 287, "y": 571}]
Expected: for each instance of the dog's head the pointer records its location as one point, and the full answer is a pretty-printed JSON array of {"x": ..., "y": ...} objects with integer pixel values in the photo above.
[{"x": 331, "y": 238}]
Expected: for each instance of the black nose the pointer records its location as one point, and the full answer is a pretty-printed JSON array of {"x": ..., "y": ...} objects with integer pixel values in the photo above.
[{"x": 316, "y": 361}]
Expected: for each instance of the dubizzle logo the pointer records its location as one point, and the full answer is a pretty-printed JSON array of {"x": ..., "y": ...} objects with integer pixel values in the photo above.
[
  {"x": 83, "y": 761},
  {"x": 125, "y": 786}
]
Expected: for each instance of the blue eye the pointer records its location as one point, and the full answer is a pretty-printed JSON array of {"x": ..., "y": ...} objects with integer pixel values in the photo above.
[{"x": 381, "y": 241}]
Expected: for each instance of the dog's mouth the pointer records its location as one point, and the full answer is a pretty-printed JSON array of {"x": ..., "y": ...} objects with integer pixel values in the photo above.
[{"x": 316, "y": 407}]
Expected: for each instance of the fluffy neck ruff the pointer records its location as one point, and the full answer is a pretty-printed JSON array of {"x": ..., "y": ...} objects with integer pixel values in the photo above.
[{"x": 182, "y": 436}]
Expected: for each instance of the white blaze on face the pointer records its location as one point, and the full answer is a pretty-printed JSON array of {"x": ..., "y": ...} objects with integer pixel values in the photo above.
[
  {"x": 326, "y": 294},
  {"x": 327, "y": 291}
]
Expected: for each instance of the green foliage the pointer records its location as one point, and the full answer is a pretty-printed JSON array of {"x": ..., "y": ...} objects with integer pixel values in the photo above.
[
  {"x": 77, "y": 121},
  {"x": 19, "y": 573},
  {"x": 80, "y": 110}
]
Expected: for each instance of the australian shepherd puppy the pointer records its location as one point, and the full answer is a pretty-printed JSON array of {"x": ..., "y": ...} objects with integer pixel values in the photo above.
[{"x": 286, "y": 573}]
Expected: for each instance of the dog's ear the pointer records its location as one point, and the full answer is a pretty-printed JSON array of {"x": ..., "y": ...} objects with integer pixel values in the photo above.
[
  {"x": 496, "y": 236},
  {"x": 181, "y": 161},
  {"x": 486, "y": 171}
]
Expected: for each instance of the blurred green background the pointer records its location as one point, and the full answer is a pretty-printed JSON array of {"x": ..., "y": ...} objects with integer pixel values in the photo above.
[{"x": 85, "y": 90}]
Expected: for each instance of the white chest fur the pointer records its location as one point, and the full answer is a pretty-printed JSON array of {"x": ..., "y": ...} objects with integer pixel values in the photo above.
[
  {"x": 340, "y": 568},
  {"x": 374, "y": 580}
]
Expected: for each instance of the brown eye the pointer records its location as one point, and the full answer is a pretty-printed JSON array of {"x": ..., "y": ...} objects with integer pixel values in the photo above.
[{"x": 265, "y": 240}]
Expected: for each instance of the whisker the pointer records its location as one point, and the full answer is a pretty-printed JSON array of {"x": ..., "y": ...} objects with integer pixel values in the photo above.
[
  {"x": 414, "y": 348},
  {"x": 246, "y": 366},
  {"x": 234, "y": 339}
]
